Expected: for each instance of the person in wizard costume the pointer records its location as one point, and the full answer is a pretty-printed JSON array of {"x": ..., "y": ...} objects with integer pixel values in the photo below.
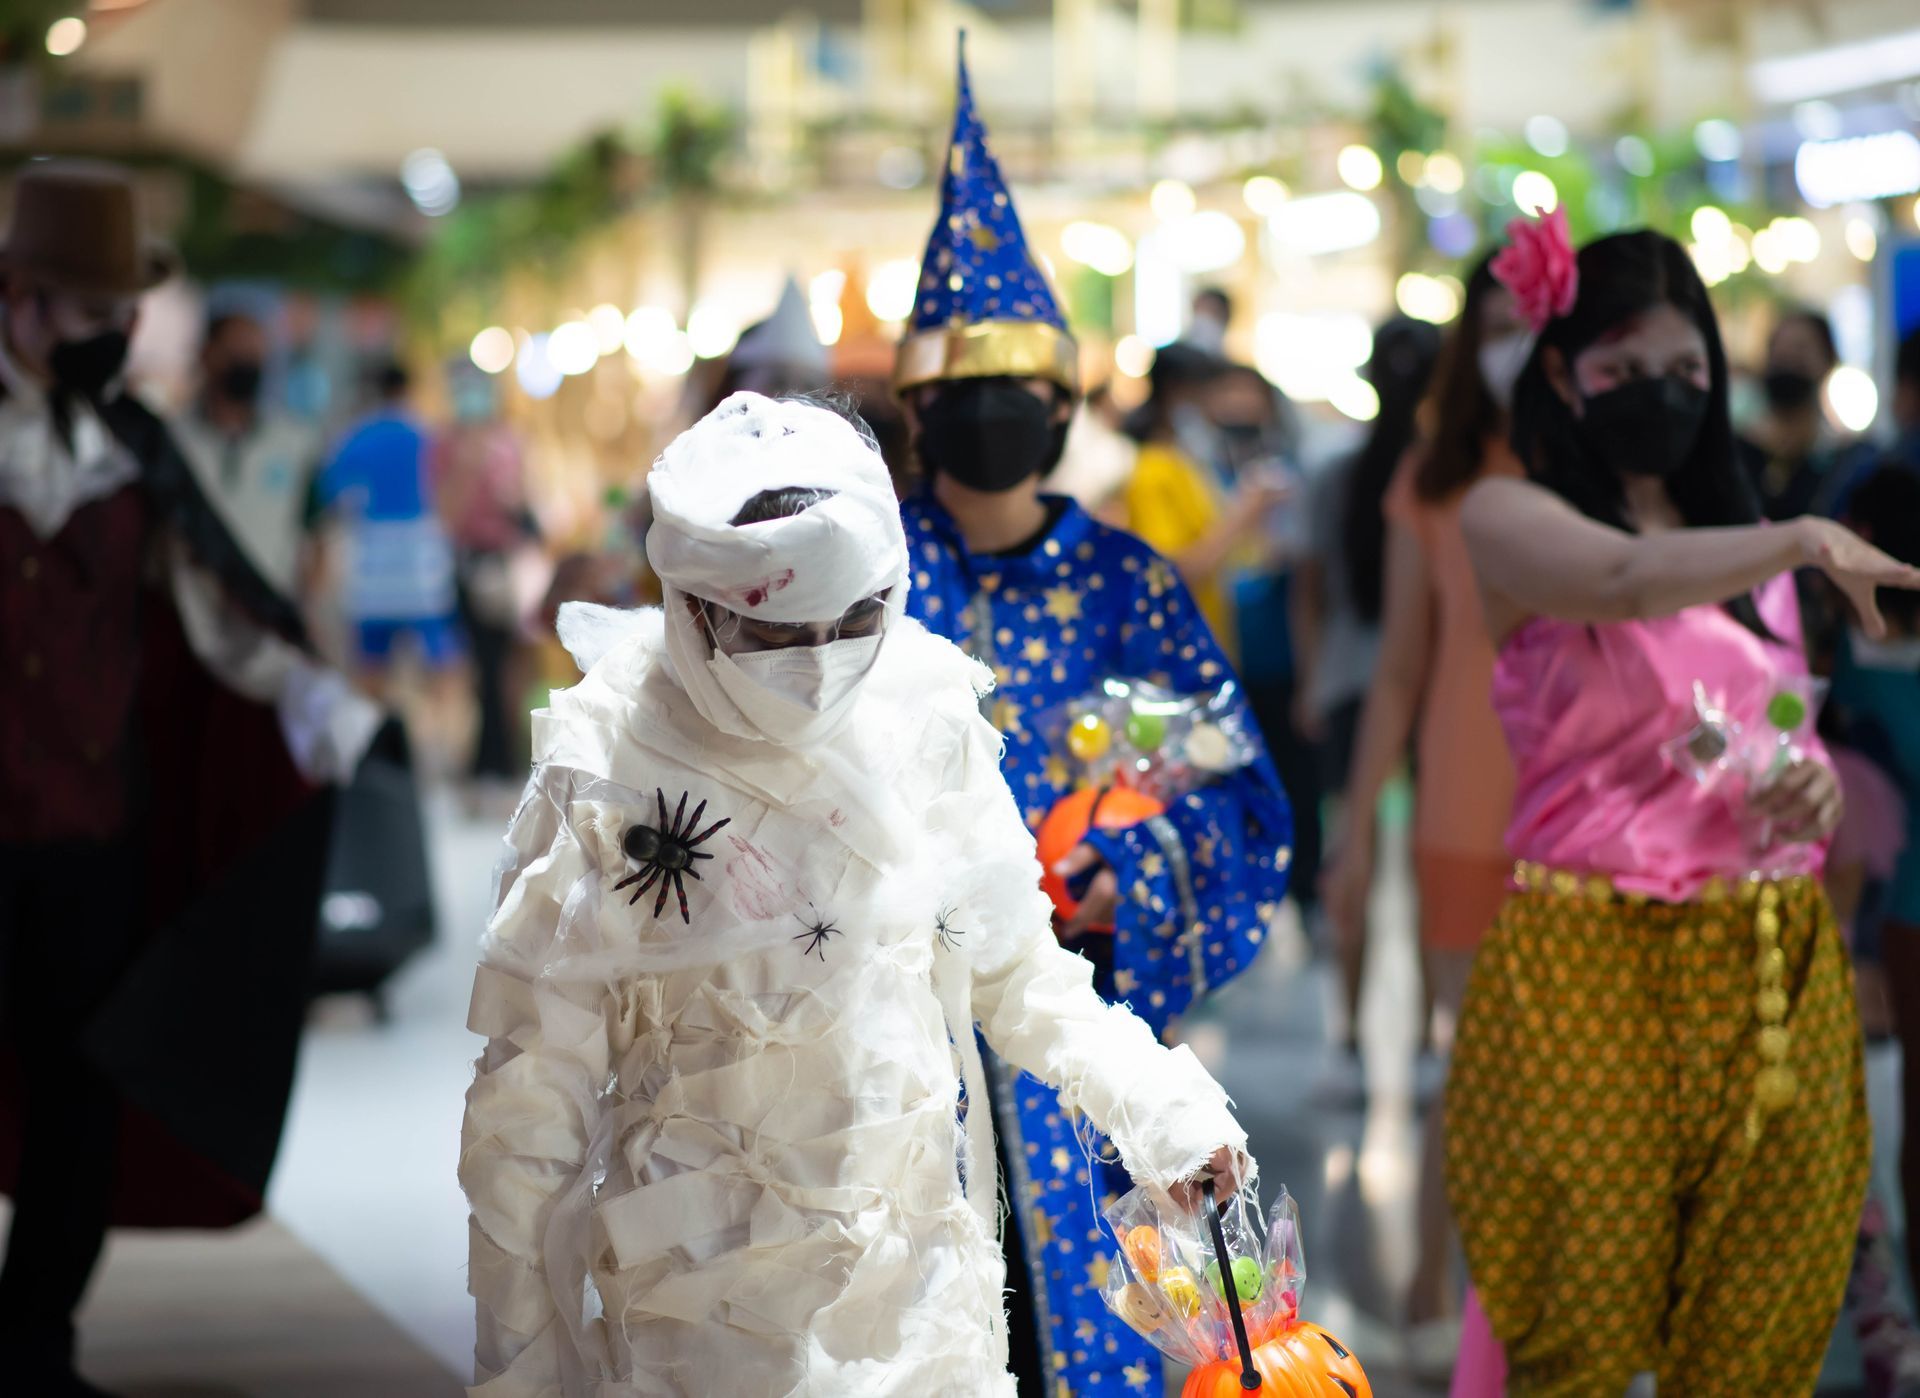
[
  {"x": 765, "y": 882},
  {"x": 164, "y": 741},
  {"x": 1055, "y": 603}
]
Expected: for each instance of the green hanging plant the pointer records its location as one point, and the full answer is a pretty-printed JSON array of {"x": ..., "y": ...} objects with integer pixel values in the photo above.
[{"x": 688, "y": 142}]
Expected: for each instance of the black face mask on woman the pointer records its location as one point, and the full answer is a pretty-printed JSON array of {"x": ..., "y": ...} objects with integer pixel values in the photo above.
[
  {"x": 988, "y": 434},
  {"x": 1646, "y": 427},
  {"x": 1788, "y": 389},
  {"x": 85, "y": 367}
]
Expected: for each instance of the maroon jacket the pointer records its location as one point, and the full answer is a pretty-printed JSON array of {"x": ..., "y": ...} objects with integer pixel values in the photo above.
[{"x": 111, "y": 728}]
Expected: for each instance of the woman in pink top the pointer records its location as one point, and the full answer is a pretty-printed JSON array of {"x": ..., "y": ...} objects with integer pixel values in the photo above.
[
  {"x": 1436, "y": 670},
  {"x": 1656, "y": 1122}
]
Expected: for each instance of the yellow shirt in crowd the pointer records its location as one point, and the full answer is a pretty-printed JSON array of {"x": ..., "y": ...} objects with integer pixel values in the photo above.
[{"x": 1172, "y": 504}]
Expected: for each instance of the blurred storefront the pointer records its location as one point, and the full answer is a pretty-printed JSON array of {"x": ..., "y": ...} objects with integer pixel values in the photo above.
[{"x": 609, "y": 202}]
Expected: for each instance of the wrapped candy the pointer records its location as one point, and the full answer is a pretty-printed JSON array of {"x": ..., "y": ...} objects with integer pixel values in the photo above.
[
  {"x": 1136, "y": 734},
  {"x": 1221, "y": 1295},
  {"x": 1754, "y": 735},
  {"x": 1744, "y": 742},
  {"x": 1711, "y": 744}
]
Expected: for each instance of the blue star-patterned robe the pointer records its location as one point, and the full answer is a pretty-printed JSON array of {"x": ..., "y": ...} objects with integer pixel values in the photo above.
[{"x": 1087, "y": 603}]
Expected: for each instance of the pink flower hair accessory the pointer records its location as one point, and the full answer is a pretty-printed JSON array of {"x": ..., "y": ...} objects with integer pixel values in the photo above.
[{"x": 1539, "y": 267}]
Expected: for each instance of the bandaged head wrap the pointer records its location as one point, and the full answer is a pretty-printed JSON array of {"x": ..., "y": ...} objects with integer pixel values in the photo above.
[{"x": 810, "y": 567}]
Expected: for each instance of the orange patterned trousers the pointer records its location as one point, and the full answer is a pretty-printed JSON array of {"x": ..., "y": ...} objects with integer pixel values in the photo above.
[{"x": 1624, "y": 1203}]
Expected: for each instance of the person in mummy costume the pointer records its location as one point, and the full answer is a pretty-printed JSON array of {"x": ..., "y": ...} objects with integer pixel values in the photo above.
[{"x": 765, "y": 882}]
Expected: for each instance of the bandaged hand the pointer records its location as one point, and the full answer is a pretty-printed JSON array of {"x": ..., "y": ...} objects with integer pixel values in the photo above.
[{"x": 1225, "y": 1171}]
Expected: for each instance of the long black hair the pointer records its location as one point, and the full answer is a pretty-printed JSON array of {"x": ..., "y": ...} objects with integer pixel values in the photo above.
[
  {"x": 1404, "y": 351},
  {"x": 1464, "y": 413},
  {"x": 1623, "y": 276}
]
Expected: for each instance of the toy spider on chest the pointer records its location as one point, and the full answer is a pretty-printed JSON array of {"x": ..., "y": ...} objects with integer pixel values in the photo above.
[{"x": 667, "y": 853}]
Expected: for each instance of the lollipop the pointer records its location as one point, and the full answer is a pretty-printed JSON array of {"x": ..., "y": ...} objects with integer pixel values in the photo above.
[
  {"x": 1248, "y": 1282},
  {"x": 1143, "y": 1250},
  {"x": 1089, "y": 738},
  {"x": 1705, "y": 750},
  {"x": 1140, "y": 1308},
  {"x": 1146, "y": 730},
  {"x": 1182, "y": 1293},
  {"x": 1208, "y": 748},
  {"x": 1786, "y": 711}
]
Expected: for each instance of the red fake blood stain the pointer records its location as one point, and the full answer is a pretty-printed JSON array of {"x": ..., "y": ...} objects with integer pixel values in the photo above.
[
  {"x": 761, "y": 591},
  {"x": 754, "y": 885}
]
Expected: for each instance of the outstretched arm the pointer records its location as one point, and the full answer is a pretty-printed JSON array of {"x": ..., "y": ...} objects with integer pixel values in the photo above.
[
  {"x": 1535, "y": 551},
  {"x": 1036, "y": 1004}
]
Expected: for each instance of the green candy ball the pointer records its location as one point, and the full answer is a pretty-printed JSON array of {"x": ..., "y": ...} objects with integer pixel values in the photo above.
[
  {"x": 1786, "y": 711},
  {"x": 1146, "y": 731},
  {"x": 1248, "y": 1281}
]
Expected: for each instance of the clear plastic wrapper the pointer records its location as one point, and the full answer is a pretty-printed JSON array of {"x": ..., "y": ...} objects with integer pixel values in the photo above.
[
  {"x": 1166, "y": 1279},
  {"x": 1131, "y": 733},
  {"x": 1739, "y": 744},
  {"x": 1751, "y": 737}
]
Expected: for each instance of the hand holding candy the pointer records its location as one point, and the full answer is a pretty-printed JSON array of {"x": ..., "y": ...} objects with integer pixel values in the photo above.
[
  {"x": 1222, "y": 1176},
  {"x": 1102, "y": 898},
  {"x": 1801, "y": 804},
  {"x": 1210, "y": 1288}
]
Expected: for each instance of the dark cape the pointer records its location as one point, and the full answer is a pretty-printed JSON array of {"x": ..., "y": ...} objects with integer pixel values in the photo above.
[{"x": 200, "y": 1031}]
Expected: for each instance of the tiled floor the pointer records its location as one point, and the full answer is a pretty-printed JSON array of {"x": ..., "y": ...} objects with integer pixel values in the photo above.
[
  {"x": 367, "y": 1177},
  {"x": 251, "y": 1313}
]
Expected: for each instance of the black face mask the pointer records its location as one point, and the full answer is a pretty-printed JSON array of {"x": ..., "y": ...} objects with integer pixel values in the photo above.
[
  {"x": 1245, "y": 441},
  {"x": 1647, "y": 427},
  {"x": 1789, "y": 388},
  {"x": 239, "y": 382},
  {"x": 85, "y": 367},
  {"x": 988, "y": 434}
]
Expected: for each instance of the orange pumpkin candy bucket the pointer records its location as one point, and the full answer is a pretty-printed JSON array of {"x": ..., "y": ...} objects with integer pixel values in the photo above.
[{"x": 1224, "y": 1299}]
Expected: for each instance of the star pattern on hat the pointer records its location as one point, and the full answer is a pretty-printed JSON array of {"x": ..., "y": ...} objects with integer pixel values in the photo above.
[{"x": 978, "y": 267}]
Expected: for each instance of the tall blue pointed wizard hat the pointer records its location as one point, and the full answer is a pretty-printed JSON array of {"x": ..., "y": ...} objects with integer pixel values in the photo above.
[{"x": 983, "y": 307}]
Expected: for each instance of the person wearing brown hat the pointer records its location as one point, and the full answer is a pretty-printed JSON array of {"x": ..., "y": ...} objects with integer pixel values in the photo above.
[{"x": 165, "y": 743}]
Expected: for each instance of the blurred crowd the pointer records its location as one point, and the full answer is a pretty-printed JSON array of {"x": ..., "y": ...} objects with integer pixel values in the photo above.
[{"x": 1326, "y": 554}]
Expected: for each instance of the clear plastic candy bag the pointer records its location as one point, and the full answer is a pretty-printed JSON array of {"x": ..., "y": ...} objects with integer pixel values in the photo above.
[
  {"x": 1132, "y": 733},
  {"x": 1167, "y": 1282}
]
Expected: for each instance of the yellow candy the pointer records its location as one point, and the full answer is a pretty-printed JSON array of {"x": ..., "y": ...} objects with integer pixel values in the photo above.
[
  {"x": 1143, "y": 1250},
  {"x": 1181, "y": 1291},
  {"x": 1089, "y": 738},
  {"x": 1140, "y": 1308}
]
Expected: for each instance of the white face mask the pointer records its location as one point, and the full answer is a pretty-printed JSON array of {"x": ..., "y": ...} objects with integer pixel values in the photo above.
[
  {"x": 1501, "y": 363},
  {"x": 800, "y": 694}
]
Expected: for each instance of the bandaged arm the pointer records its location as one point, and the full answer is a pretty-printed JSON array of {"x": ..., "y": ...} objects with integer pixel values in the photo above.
[
  {"x": 1036, "y": 1004},
  {"x": 533, "y": 1106}
]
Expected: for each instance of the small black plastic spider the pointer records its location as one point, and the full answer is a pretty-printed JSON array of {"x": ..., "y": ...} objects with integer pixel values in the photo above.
[
  {"x": 818, "y": 930},
  {"x": 666, "y": 854},
  {"x": 944, "y": 929}
]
